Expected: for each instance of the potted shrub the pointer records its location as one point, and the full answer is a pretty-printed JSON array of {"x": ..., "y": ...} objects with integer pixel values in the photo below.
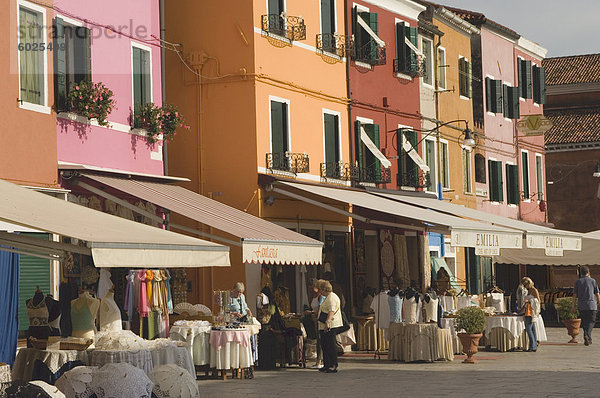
[
  {"x": 159, "y": 121},
  {"x": 91, "y": 100},
  {"x": 471, "y": 322},
  {"x": 569, "y": 319}
]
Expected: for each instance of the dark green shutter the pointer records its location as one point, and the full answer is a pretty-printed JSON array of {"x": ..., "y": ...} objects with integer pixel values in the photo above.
[
  {"x": 60, "y": 65},
  {"x": 526, "y": 77},
  {"x": 506, "y": 106},
  {"x": 88, "y": 54},
  {"x": 401, "y": 47},
  {"x": 146, "y": 78},
  {"x": 278, "y": 127},
  {"x": 374, "y": 47},
  {"x": 525, "y": 171},
  {"x": 358, "y": 145},
  {"x": 83, "y": 54},
  {"x": 500, "y": 184},
  {"x": 33, "y": 271},
  {"x": 497, "y": 89},
  {"x": 461, "y": 76},
  {"x": 515, "y": 112},
  {"x": 520, "y": 77},
  {"x": 485, "y": 265},
  {"x": 412, "y": 34},
  {"x": 331, "y": 142},
  {"x": 493, "y": 181},
  {"x": 377, "y": 163},
  {"x": 539, "y": 84},
  {"x": 488, "y": 94},
  {"x": 137, "y": 79},
  {"x": 327, "y": 20},
  {"x": 469, "y": 79},
  {"x": 509, "y": 185},
  {"x": 275, "y": 7},
  {"x": 473, "y": 271}
]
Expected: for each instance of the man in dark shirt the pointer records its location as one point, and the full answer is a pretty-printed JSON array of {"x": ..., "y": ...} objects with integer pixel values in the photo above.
[{"x": 587, "y": 296}]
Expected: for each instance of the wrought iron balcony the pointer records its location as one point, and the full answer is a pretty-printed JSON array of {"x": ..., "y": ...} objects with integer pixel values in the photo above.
[
  {"x": 338, "y": 45},
  {"x": 291, "y": 28},
  {"x": 411, "y": 67},
  {"x": 339, "y": 171},
  {"x": 414, "y": 179},
  {"x": 375, "y": 175},
  {"x": 288, "y": 162},
  {"x": 369, "y": 53}
]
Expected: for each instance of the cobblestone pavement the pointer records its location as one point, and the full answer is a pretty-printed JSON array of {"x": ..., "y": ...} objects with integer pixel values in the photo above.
[{"x": 557, "y": 369}]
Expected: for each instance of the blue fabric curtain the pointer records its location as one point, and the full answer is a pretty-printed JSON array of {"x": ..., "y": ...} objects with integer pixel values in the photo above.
[{"x": 9, "y": 305}]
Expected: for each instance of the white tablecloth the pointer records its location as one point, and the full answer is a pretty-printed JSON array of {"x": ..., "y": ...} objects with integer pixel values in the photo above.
[
  {"x": 179, "y": 356},
  {"x": 230, "y": 349},
  {"x": 448, "y": 323},
  {"x": 139, "y": 358},
  {"x": 198, "y": 339},
  {"x": 54, "y": 359},
  {"x": 419, "y": 342},
  {"x": 515, "y": 325}
]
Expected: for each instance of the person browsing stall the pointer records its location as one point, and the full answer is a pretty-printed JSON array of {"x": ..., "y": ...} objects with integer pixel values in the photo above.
[
  {"x": 237, "y": 304},
  {"x": 531, "y": 304},
  {"x": 330, "y": 318},
  {"x": 587, "y": 297}
]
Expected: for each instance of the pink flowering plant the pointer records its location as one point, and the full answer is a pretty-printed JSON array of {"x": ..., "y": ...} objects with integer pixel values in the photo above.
[
  {"x": 92, "y": 100},
  {"x": 159, "y": 120}
]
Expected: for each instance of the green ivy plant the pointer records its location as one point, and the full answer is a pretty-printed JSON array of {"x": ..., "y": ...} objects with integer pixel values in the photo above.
[
  {"x": 563, "y": 307},
  {"x": 471, "y": 320},
  {"x": 157, "y": 120},
  {"x": 91, "y": 100}
]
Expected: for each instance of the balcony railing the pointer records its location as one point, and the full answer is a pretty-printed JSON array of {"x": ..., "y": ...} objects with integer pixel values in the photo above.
[
  {"x": 339, "y": 171},
  {"x": 369, "y": 53},
  {"x": 411, "y": 67},
  {"x": 288, "y": 162},
  {"x": 338, "y": 45},
  {"x": 414, "y": 179},
  {"x": 375, "y": 175},
  {"x": 291, "y": 28}
]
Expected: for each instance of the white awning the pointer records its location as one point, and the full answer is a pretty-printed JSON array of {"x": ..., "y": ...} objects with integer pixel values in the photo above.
[
  {"x": 412, "y": 47},
  {"x": 552, "y": 241},
  {"x": 368, "y": 29},
  {"x": 364, "y": 137},
  {"x": 112, "y": 241},
  {"x": 412, "y": 152},
  {"x": 485, "y": 238}
]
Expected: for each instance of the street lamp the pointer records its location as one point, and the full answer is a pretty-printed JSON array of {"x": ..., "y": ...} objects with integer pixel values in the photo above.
[{"x": 470, "y": 141}]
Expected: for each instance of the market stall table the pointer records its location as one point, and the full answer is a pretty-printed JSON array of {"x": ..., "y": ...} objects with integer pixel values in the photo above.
[
  {"x": 505, "y": 332},
  {"x": 230, "y": 349},
  {"x": 448, "y": 323},
  {"x": 410, "y": 342},
  {"x": 54, "y": 361},
  {"x": 197, "y": 335}
]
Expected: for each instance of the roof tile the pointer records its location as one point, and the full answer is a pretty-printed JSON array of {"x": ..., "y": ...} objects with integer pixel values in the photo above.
[
  {"x": 572, "y": 69},
  {"x": 573, "y": 125}
]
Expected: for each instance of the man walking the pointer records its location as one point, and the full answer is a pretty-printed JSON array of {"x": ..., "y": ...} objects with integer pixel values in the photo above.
[{"x": 587, "y": 296}]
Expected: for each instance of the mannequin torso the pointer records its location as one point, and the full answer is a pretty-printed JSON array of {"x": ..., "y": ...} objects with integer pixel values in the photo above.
[
  {"x": 110, "y": 314},
  {"x": 83, "y": 315}
]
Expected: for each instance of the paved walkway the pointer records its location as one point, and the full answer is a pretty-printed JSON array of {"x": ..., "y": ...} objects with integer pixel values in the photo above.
[{"x": 557, "y": 369}]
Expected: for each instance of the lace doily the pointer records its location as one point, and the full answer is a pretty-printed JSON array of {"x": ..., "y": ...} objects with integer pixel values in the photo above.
[
  {"x": 121, "y": 380},
  {"x": 172, "y": 381},
  {"x": 76, "y": 383}
]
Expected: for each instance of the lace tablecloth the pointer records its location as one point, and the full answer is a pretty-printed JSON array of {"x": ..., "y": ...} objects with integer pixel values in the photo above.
[
  {"x": 419, "y": 342},
  {"x": 4, "y": 373},
  {"x": 230, "y": 349},
  {"x": 53, "y": 359},
  {"x": 179, "y": 355},
  {"x": 197, "y": 336},
  {"x": 139, "y": 358}
]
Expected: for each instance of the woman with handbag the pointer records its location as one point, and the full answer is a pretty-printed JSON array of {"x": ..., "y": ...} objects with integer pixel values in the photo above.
[
  {"x": 330, "y": 318},
  {"x": 532, "y": 310}
]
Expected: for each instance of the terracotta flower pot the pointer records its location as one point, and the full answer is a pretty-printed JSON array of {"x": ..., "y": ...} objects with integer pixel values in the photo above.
[
  {"x": 469, "y": 343},
  {"x": 572, "y": 328}
]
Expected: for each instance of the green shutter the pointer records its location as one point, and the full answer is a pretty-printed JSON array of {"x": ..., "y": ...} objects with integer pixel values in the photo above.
[
  {"x": 497, "y": 89},
  {"x": 146, "y": 77},
  {"x": 331, "y": 141},
  {"x": 515, "y": 112},
  {"x": 488, "y": 95},
  {"x": 500, "y": 184},
  {"x": 278, "y": 127},
  {"x": 374, "y": 47},
  {"x": 88, "y": 55},
  {"x": 33, "y": 271},
  {"x": 515, "y": 177},
  {"x": 275, "y": 7},
  {"x": 525, "y": 171},
  {"x": 469, "y": 79},
  {"x": 485, "y": 265},
  {"x": 137, "y": 79},
  {"x": 526, "y": 77},
  {"x": 82, "y": 56},
  {"x": 520, "y": 77},
  {"x": 412, "y": 34},
  {"x": 506, "y": 106},
  {"x": 401, "y": 47},
  {"x": 493, "y": 181},
  {"x": 60, "y": 65},
  {"x": 358, "y": 145},
  {"x": 509, "y": 185},
  {"x": 327, "y": 20},
  {"x": 461, "y": 76},
  {"x": 473, "y": 271},
  {"x": 377, "y": 162},
  {"x": 539, "y": 84},
  {"x": 31, "y": 62}
]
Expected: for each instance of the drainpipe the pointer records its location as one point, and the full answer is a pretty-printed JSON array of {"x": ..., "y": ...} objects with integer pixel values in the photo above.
[
  {"x": 162, "y": 81},
  {"x": 348, "y": 91}
]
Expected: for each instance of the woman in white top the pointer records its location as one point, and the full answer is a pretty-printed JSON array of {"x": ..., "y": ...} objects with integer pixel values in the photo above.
[
  {"x": 532, "y": 309},
  {"x": 330, "y": 318}
]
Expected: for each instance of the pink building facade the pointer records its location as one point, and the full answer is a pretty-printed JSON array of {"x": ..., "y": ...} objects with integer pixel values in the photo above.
[{"x": 115, "y": 43}]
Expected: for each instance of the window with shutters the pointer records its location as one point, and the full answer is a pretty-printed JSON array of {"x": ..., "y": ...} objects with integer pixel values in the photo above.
[
  {"x": 539, "y": 84},
  {"x": 444, "y": 164},
  {"x": 331, "y": 131},
  {"x": 493, "y": 95},
  {"x": 72, "y": 59},
  {"x": 430, "y": 160},
  {"x": 539, "y": 176},
  {"x": 368, "y": 164},
  {"x": 33, "y": 84},
  {"x": 365, "y": 27},
  {"x": 142, "y": 76},
  {"x": 441, "y": 68},
  {"x": 467, "y": 174},
  {"x": 525, "y": 173},
  {"x": 276, "y": 10},
  {"x": 328, "y": 17},
  {"x": 512, "y": 184},
  {"x": 510, "y": 99},
  {"x": 427, "y": 49},
  {"x": 524, "y": 75},
  {"x": 408, "y": 170},
  {"x": 280, "y": 144},
  {"x": 406, "y": 62},
  {"x": 495, "y": 181},
  {"x": 465, "y": 78},
  {"x": 480, "y": 168}
]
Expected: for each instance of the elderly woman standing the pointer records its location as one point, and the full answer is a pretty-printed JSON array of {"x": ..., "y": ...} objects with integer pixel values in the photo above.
[
  {"x": 330, "y": 318},
  {"x": 532, "y": 310},
  {"x": 237, "y": 304}
]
